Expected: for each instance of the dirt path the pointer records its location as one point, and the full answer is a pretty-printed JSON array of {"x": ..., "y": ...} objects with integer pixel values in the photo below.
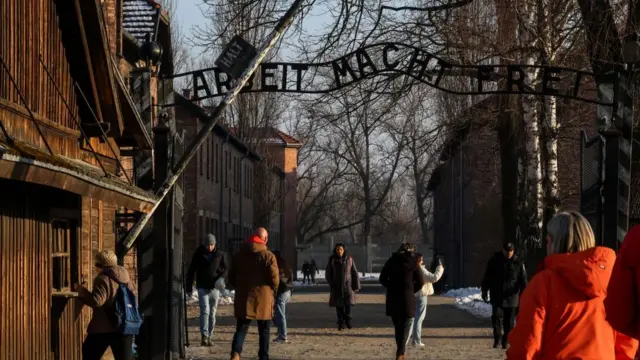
[{"x": 449, "y": 333}]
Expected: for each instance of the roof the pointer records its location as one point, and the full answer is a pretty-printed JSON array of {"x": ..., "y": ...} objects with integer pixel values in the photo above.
[
  {"x": 21, "y": 161},
  {"x": 139, "y": 18},
  {"x": 219, "y": 129},
  {"x": 273, "y": 135}
]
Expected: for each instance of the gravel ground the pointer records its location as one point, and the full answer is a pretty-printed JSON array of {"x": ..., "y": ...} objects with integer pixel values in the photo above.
[{"x": 448, "y": 333}]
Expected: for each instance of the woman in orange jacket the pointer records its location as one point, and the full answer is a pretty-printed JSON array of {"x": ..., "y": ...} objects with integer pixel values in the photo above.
[{"x": 561, "y": 312}]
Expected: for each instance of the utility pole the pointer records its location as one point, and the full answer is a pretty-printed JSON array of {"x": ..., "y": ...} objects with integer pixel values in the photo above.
[{"x": 210, "y": 123}]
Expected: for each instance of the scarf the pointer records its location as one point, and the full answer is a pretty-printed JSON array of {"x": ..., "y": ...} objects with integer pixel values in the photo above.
[{"x": 255, "y": 239}]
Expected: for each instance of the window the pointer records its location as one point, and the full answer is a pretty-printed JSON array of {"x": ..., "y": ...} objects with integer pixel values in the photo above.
[
  {"x": 251, "y": 183},
  {"x": 208, "y": 226},
  {"x": 202, "y": 227},
  {"x": 212, "y": 159},
  {"x": 208, "y": 145},
  {"x": 64, "y": 255},
  {"x": 201, "y": 155},
  {"x": 216, "y": 167},
  {"x": 227, "y": 165},
  {"x": 235, "y": 174}
]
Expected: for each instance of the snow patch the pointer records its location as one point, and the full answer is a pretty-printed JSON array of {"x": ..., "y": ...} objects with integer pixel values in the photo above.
[
  {"x": 320, "y": 275},
  {"x": 470, "y": 300},
  {"x": 226, "y": 297}
]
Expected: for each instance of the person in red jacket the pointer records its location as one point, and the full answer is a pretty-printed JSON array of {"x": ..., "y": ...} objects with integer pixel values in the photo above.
[
  {"x": 623, "y": 302},
  {"x": 562, "y": 313}
]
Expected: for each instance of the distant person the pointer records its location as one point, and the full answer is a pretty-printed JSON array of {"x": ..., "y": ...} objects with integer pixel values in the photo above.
[
  {"x": 504, "y": 281},
  {"x": 283, "y": 296},
  {"x": 306, "y": 273},
  {"x": 208, "y": 267},
  {"x": 313, "y": 271},
  {"x": 402, "y": 277},
  {"x": 562, "y": 313},
  {"x": 254, "y": 274},
  {"x": 421, "y": 298},
  {"x": 343, "y": 279},
  {"x": 102, "y": 331}
]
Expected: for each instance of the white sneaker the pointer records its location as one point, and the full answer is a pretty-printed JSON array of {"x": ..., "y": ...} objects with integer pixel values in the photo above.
[{"x": 418, "y": 344}]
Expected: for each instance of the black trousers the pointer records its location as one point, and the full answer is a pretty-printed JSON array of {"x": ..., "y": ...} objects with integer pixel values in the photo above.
[
  {"x": 95, "y": 345},
  {"x": 344, "y": 313},
  {"x": 502, "y": 319},
  {"x": 402, "y": 328}
]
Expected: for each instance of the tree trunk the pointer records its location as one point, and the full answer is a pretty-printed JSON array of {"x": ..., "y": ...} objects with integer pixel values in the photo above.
[
  {"x": 534, "y": 196},
  {"x": 552, "y": 188}
]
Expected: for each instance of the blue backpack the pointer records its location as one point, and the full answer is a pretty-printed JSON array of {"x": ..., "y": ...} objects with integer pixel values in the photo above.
[{"x": 128, "y": 317}]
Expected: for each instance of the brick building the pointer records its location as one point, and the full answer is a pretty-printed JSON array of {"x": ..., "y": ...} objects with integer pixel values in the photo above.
[
  {"x": 466, "y": 186},
  {"x": 219, "y": 196}
]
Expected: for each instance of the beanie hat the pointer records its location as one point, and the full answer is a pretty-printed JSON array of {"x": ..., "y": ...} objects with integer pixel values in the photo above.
[
  {"x": 106, "y": 259},
  {"x": 210, "y": 240}
]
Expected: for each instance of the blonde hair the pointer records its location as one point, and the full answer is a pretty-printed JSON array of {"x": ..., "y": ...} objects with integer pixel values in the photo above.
[{"x": 570, "y": 232}]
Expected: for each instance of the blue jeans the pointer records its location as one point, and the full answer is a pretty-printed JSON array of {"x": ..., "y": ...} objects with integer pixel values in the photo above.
[
  {"x": 208, "y": 300},
  {"x": 280, "y": 313},
  {"x": 421, "y": 312},
  {"x": 242, "y": 327}
]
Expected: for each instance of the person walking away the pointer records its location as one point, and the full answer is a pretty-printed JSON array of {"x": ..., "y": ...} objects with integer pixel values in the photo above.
[
  {"x": 344, "y": 281},
  {"x": 103, "y": 331},
  {"x": 504, "y": 281},
  {"x": 313, "y": 270},
  {"x": 622, "y": 304},
  {"x": 254, "y": 274},
  {"x": 208, "y": 266},
  {"x": 402, "y": 277},
  {"x": 283, "y": 296},
  {"x": 421, "y": 298},
  {"x": 306, "y": 273},
  {"x": 562, "y": 312}
]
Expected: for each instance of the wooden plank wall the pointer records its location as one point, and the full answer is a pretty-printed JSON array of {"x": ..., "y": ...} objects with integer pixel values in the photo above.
[
  {"x": 29, "y": 29},
  {"x": 34, "y": 326}
]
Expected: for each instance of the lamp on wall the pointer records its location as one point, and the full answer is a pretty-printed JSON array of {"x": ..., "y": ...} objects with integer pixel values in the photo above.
[{"x": 151, "y": 52}]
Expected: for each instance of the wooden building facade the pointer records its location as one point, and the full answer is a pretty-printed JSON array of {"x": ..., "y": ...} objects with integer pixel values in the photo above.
[{"x": 69, "y": 129}]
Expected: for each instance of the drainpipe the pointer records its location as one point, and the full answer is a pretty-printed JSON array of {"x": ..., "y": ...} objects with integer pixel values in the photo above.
[{"x": 461, "y": 227}]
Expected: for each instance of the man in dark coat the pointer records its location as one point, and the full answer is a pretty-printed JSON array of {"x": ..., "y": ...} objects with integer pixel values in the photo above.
[
  {"x": 207, "y": 267},
  {"x": 504, "y": 281},
  {"x": 305, "y": 272},
  {"x": 402, "y": 277},
  {"x": 313, "y": 270},
  {"x": 254, "y": 274}
]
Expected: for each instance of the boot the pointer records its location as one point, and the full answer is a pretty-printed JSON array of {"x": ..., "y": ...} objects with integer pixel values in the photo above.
[
  {"x": 209, "y": 341},
  {"x": 348, "y": 323},
  {"x": 235, "y": 356},
  {"x": 400, "y": 357},
  {"x": 505, "y": 342},
  {"x": 204, "y": 340},
  {"x": 340, "y": 325}
]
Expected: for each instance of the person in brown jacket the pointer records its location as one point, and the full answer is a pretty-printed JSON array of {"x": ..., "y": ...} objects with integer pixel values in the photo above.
[
  {"x": 102, "y": 332},
  {"x": 254, "y": 275}
]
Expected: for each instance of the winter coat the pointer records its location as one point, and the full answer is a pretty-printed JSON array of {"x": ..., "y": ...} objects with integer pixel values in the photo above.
[
  {"x": 101, "y": 299},
  {"x": 562, "y": 311},
  {"x": 622, "y": 302},
  {"x": 429, "y": 278},
  {"x": 207, "y": 267},
  {"x": 343, "y": 279},
  {"x": 286, "y": 279},
  {"x": 254, "y": 275},
  {"x": 402, "y": 277},
  {"x": 505, "y": 279},
  {"x": 313, "y": 268}
]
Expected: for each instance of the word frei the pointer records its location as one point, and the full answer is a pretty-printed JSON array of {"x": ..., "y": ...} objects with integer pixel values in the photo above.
[{"x": 396, "y": 58}]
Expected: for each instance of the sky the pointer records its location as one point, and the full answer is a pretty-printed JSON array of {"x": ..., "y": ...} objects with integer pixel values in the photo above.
[{"x": 189, "y": 15}]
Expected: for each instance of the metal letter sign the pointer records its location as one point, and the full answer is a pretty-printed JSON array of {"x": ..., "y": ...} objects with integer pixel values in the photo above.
[
  {"x": 235, "y": 57},
  {"x": 383, "y": 59}
]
